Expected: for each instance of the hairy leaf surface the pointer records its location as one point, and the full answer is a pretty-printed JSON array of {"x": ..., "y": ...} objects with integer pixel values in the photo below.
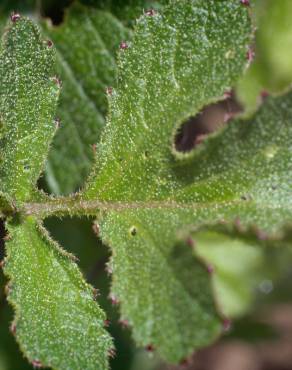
[
  {"x": 58, "y": 323},
  {"x": 271, "y": 70},
  {"x": 177, "y": 62},
  {"x": 86, "y": 46},
  {"x": 28, "y": 100}
]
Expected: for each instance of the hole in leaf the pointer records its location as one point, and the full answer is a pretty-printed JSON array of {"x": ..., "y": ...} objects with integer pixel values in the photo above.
[
  {"x": 214, "y": 116},
  {"x": 54, "y": 9}
]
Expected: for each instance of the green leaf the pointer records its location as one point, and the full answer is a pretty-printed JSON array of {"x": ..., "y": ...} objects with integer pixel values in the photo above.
[
  {"x": 58, "y": 323},
  {"x": 272, "y": 68},
  {"x": 28, "y": 99},
  {"x": 235, "y": 277},
  {"x": 177, "y": 62},
  {"x": 86, "y": 46},
  {"x": 243, "y": 262}
]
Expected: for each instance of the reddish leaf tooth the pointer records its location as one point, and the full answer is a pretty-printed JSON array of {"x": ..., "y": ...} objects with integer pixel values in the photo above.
[
  {"x": 186, "y": 362},
  {"x": 57, "y": 122},
  {"x": 227, "y": 94},
  {"x": 7, "y": 289},
  {"x": 15, "y": 17},
  {"x": 106, "y": 323},
  {"x": 210, "y": 268},
  {"x": 227, "y": 324},
  {"x": 250, "y": 55},
  {"x": 37, "y": 364},
  {"x": 95, "y": 293},
  {"x": 112, "y": 353},
  {"x": 108, "y": 268},
  {"x": 191, "y": 243},
  {"x": 260, "y": 234},
  {"x": 95, "y": 226},
  {"x": 114, "y": 299},
  {"x": 124, "y": 323},
  {"x": 245, "y": 2},
  {"x": 7, "y": 237},
  {"x": 150, "y": 12},
  {"x": 13, "y": 328},
  {"x": 57, "y": 81},
  {"x": 94, "y": 146},
  {"x": 265, "y": 94},
  {"x": 123, "y": 45},
  {"x": 109, "y": 90}
]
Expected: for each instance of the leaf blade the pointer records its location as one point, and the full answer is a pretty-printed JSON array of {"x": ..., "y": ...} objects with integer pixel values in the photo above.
[
  {"x": 57, "y": 321},
  {"x": 93, "y": 35},
  {"x": 28, "y": 102},
  {"x": 170, "y": 53}
]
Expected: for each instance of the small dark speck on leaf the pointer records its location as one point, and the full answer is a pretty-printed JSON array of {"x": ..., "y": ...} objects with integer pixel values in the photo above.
[
  {"x": 49, "y": 43},
  {"x": 133, "y": 231},
  {"x": 149, "y": 348}
]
